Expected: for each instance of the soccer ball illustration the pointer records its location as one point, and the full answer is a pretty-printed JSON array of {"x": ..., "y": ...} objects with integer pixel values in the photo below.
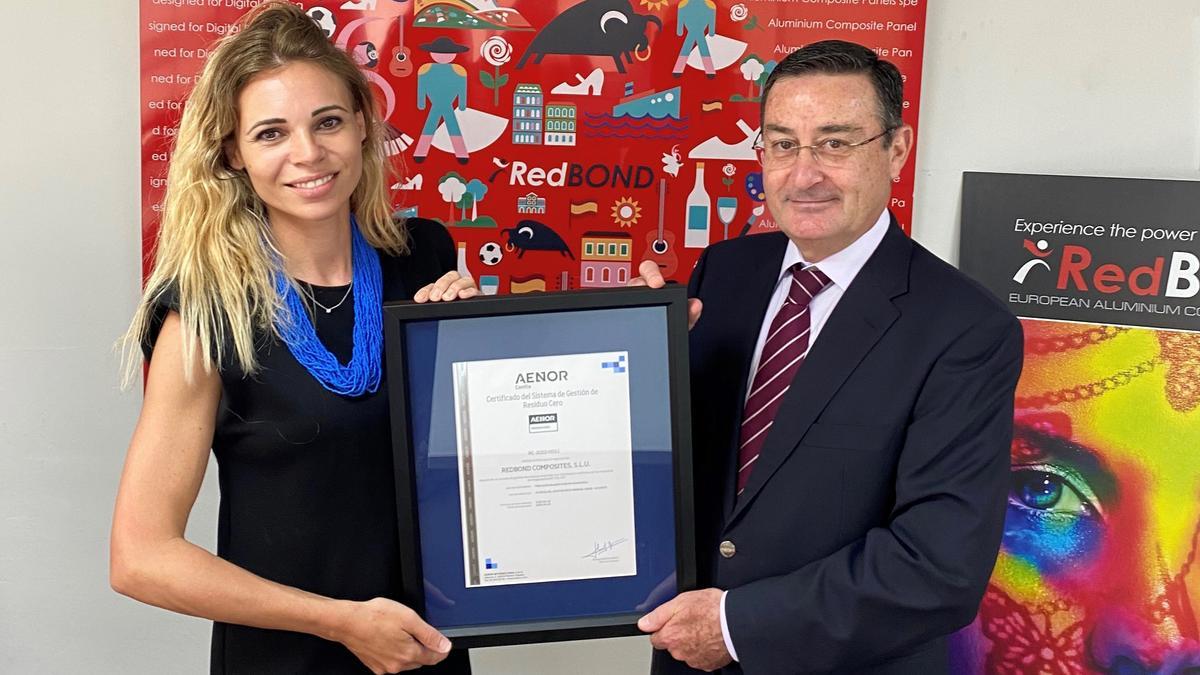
[
  {"x": 324, "y": 19},
  {"x": 491, "y": 253}
]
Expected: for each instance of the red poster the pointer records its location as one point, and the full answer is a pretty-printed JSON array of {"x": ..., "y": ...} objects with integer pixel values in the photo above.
[{"x": 561, "y": 141}]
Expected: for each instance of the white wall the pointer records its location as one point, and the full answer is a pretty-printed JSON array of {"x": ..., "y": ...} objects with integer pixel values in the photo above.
[
  {"x": 1101, "y": 87},
  {"x": 1085, "y": 87}
]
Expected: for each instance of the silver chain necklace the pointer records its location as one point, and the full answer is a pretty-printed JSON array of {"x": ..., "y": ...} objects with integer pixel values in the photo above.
[{"x": 308, "y": 291}]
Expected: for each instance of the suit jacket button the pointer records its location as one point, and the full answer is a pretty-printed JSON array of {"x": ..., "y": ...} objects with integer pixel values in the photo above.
[{"x": 727, "y": 549}]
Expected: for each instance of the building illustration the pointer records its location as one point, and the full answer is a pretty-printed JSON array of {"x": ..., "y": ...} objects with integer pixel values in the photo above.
[
  {"x": 531, "y": 203},
  {"x": 560, "y": 124},
  {"x": 527, "y": 115},
  {"x": 606, "y": 259}
]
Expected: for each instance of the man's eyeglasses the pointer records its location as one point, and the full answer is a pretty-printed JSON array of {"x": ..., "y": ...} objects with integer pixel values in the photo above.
[{"x": 829, "y": 152}]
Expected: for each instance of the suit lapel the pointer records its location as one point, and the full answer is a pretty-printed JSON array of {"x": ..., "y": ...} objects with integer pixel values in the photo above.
[
  {"x": 863, "y": 314},
  {"x": 763, "y": 270}
]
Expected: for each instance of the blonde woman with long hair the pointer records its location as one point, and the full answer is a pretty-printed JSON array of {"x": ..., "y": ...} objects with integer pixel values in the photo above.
[{"x": 261, "y": 323}]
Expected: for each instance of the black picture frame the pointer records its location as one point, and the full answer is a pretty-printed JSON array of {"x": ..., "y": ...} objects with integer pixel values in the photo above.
[{"x": 397, "y": 315}]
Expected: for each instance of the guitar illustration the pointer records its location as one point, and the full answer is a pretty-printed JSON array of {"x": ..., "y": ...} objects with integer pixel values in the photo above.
[
  {"x": 564, "y": 280},
  {"x": 400, "y": 64},
  {"x": 660, "y": 246}
]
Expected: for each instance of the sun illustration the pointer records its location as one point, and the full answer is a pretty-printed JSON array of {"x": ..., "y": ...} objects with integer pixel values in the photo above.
[
  {"x": 654, "y": 5},
  {"x": 626, "y": 212}
]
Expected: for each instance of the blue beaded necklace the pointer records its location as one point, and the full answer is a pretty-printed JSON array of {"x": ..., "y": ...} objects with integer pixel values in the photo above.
[{"x": 361, "y": 375}]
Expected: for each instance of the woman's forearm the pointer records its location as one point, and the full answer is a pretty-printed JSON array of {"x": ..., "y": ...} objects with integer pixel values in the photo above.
[{"x": 179, "y": 576}]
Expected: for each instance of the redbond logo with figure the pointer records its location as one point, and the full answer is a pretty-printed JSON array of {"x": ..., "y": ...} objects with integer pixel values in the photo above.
[
  {"x": 1040, "y": 251},
  {"x": 1077, "y": 269},
  {"x": 1105, "y": 256}
]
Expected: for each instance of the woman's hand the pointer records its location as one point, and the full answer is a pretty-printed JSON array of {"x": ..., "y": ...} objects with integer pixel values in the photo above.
[
  {"x": 389, "y": 637},
  {"x": 450, "y": 286}
]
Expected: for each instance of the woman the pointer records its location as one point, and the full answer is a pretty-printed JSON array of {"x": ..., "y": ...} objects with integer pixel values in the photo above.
[{"x": 275, "y": 254}]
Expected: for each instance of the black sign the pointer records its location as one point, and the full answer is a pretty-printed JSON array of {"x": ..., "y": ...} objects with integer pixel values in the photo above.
[{"x": 1117, "y": 251}]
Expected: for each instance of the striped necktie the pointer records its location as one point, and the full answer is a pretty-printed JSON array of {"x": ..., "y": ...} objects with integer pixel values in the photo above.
[{"x": 782, "y": 354}]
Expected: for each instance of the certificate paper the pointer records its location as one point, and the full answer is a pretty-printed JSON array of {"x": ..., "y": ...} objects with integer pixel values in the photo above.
[{"x": 545, "y": 468}]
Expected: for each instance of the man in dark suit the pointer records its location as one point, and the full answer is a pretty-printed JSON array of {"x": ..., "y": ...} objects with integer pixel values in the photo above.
[{"x": 852, "y": 407}]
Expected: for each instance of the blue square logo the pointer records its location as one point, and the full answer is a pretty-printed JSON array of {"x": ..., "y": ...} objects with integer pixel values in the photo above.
[{"x": 616, "y": 367}]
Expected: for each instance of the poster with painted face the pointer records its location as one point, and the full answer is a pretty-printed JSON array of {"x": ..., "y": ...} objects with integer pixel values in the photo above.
[
  {"x": 1097, "y": 571},
  {"x": 562, "y": 142}
]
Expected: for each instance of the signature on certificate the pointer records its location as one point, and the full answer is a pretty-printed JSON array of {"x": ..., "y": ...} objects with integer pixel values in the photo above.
[{"x": 605, "y": 547}]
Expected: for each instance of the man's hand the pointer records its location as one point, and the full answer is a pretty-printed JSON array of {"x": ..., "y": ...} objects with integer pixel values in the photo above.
[
  {"x": 650, "y": 275},
  {"x": 689, "y": 627}
]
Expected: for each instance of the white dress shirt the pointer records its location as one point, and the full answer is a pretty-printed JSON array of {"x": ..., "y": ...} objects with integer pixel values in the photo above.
[{"x": 841, "y": 268}]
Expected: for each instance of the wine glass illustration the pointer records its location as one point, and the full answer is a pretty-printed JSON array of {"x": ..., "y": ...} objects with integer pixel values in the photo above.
[{"x": 726, "y": 210}]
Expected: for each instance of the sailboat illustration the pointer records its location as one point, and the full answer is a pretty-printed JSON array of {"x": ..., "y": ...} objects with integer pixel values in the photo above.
[{"x": 651, "y": 103}]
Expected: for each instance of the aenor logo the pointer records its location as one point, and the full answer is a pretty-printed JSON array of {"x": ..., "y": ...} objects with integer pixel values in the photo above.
[
  {"x": 542, "y": 423},
  {"x": 541, "y": 376}
]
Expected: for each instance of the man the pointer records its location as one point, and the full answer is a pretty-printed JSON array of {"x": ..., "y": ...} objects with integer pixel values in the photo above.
[{"x": 852, "y": 406}]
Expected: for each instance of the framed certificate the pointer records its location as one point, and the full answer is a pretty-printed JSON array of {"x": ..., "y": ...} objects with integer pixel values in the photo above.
[{"x": 543, "y": 460}]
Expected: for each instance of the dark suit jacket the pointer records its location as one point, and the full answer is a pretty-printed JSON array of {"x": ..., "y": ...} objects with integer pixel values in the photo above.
[{"x": 871, "y": 522}]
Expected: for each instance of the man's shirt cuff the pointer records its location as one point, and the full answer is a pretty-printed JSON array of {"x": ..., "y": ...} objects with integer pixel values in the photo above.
[{"x": 725, "y": 629}]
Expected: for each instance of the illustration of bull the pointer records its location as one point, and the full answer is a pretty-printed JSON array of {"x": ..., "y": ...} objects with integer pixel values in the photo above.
[
  {"x": 594, "y": 28},
  {"x": 530, "y": 235}
]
